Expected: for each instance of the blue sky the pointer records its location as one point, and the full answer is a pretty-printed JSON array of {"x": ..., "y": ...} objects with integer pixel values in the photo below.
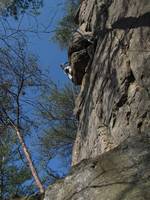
[{"x": 49, "y": 54}]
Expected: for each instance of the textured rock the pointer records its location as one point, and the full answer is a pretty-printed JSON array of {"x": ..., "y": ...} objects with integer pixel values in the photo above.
[
  {"x": 112, "y": 150},
  {"x": 114, "y": 101},
  {"x": 120, "y": 174},
  {"x": 79, "y": 61},
  {"x": 80, "y": 53}
]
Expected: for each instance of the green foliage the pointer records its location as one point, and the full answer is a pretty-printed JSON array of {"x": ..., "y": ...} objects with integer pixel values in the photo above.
[
  {"x": 17, "y": 7},
  {"x": 19, "y": 72},
  {"x": 66, "y": 25},
  {"x": 61, "y": 125},
  {"x": 19, "y": 75},
  {"x": 13, "y": 173}
]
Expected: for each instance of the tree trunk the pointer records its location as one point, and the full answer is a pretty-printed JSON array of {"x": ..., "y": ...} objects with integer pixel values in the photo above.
[
  {"x": 29, "y": 160},
  {"x": 1, "y": 180}
]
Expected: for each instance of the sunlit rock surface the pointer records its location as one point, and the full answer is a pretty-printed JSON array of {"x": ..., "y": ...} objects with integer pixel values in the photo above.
[
  {"x": 111, "y": 62},
  {"x": 114, "y": 102}
]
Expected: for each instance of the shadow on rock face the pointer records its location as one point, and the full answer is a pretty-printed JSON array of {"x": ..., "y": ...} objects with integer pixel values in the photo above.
[
  {"x": 79, "y": 61},
  {"x": 80, "y": 55},
  {"x": 133, "y": 22}
]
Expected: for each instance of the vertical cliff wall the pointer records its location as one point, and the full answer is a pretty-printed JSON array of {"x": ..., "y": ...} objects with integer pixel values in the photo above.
[
  {"x": 110, "y": 59},
  {"x": 114, "y": 102}
]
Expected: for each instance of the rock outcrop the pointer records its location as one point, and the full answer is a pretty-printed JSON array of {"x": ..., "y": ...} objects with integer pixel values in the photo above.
[
  {"x": 114, "y": 102},
  {"x": 110, "y": 56},
  {"x": 121, "y": 174}
]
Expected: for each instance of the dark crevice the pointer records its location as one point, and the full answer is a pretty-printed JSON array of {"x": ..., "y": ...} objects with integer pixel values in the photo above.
[
  {"x": 132, "y": 22},
  {"x": 139, "y": 124},
  {"x": 122, "y": 101},
  {"x": 128, "y": 114},
  {"x": 129, "y": 79}
]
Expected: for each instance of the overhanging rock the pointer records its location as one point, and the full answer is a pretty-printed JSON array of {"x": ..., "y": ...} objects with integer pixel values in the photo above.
[{"x": 121, "y": 174}]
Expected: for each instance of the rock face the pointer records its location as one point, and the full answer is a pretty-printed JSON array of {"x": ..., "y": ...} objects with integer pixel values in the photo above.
[
  {"x": 4, "y": 4},
  {"x": 110, "y": 56},
  {"x": 121, "y": 174},
  {"x": 114, "y": 102}
]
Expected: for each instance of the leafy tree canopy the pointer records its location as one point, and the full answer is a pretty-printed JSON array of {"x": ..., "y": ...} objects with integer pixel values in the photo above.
[
  {"x": 56, "y": 109},
  {"x": 66, "y": 26},
  {"x": 13, "y": 173},
  {"x": 19, "y": 75},
  {"x": 16, "y": 7}
]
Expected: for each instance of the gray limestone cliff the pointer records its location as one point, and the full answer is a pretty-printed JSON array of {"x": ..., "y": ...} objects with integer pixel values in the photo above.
[
  {"x": 110, "y": 57},
  {"x": 114, "y": 101}
]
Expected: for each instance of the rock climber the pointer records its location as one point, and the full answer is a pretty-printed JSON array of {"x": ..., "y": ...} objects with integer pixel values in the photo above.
[{"x": 67, "y": 70}]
